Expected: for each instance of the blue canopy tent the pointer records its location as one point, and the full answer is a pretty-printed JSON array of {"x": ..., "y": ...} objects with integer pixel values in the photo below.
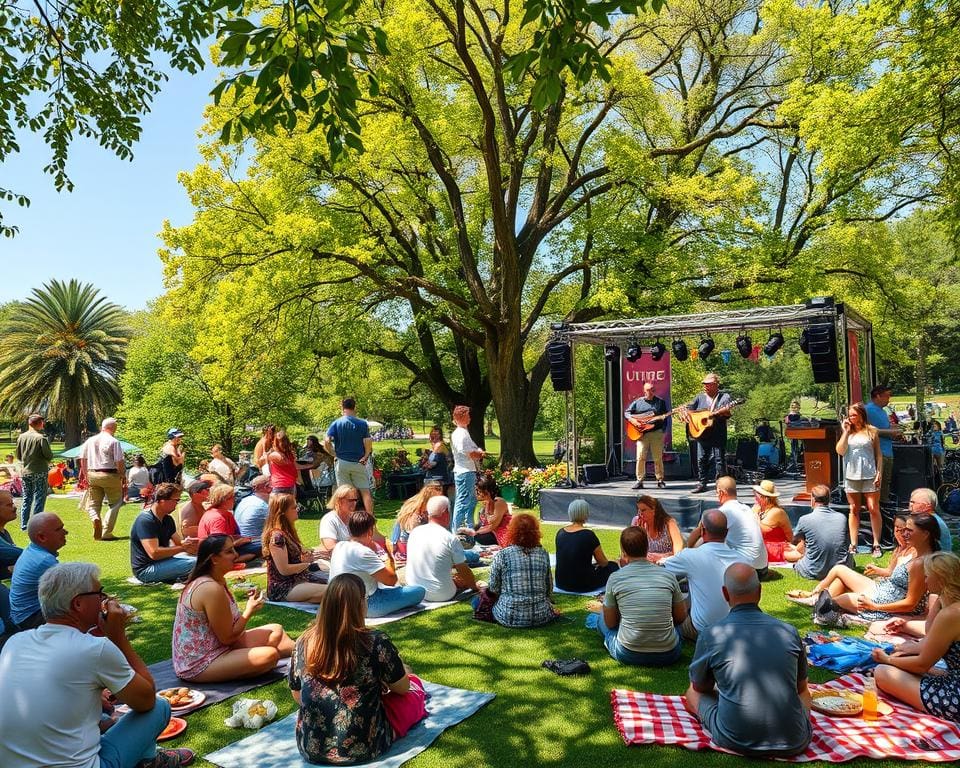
[{"x": 74, "y": 452}]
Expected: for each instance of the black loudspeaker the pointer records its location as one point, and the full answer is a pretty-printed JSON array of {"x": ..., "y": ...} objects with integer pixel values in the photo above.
[
  {"x": 594, "y": 473},
  {"x": 822, "y": 342},
  {"x": 561, "y": 367},
  {"x": 912, "y": 469},
  {"x": 747, "y": 452}
]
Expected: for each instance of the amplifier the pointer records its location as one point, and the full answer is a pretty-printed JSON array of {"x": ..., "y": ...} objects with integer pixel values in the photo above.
[{"x": 594, "y": 473}]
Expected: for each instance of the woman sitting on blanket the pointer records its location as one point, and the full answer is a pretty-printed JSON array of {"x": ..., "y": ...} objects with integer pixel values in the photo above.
[
  {"x": 412, "y": 513},
  {"x": 211, "y": 642},
  {"x": 520, "y": 577},
  {"x": 774, "y": 524},
  {"x": 902, "y": 553},
  {"x": 908, "y": 672},
  {"x": 663, "y": 533},
  {"x": 291, "y": 573},
  {"x": 494, "y": 514},
  {"x": 582, "y": 565},
  {"x": 904, "y": 592},
  {"x": 355, "y": 695}
]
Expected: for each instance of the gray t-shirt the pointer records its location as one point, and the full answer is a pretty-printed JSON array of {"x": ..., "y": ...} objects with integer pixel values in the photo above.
[
  {"x": 828, "y": 539},
  {"x": 644, "y": 594},
  {"x": 756, "y": 662}
]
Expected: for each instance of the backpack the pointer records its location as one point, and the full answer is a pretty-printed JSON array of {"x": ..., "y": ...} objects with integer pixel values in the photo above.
[
  {"x": 156, "y": 472},
  {"x": 951, "y": 505}
]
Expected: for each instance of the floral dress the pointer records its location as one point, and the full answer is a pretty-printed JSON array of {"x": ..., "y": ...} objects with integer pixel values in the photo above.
[
  {"x": 892, "y": 589},
  {"x": 500, "y": 532},
  {"x": 940, "y": 694},
  {"x": 195, "y": 644},
  {"x": 345, "y": 723},
  {"x": 278, "y": 585}
]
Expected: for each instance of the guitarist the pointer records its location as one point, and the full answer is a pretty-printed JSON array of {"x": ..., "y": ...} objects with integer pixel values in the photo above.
[
  {"x": 651, "y": 440},
  {"x": 712, "y": 444}
]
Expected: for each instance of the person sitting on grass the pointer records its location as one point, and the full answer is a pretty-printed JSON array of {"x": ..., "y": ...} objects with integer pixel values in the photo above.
[
  {"x": 355, "y": 695},
  {"x": 192, "y": 510},
  {"x": 412, "y": 512},
  {"x": 582, "y": 565},
  {"x": 494, "y": 514},
  {"x": 211, "y": 642},
  {"x": 47, "y": 538},
  {"x": 54, "y": 679},
  {"x": 903, "y": 553},
  {"x": 251, "y": 512},
  {"x": 908, "y": 674},
  {"x": 435, "y": 556},
  {"x": 359, "y": 556},
  {"x": 748, "y": 677},
  {"x": 774, "y": 524},
  {"x": 292, "y": 574},
  {"x": 520, "y": 577},
  {"x": 156, "y": 548},
  {"x": 334, "y": 524},
  {"x": 663, "y": 533},
  {"x": 642, "y": 607},
  {"x": 219, "y": 519}
]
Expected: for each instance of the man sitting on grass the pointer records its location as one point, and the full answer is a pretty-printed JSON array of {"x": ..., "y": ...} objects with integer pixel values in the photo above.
[
  {"x": 47, "y": 538},
  {"x": 435, "y": 558},
  {"x": 155, "y": 543},
  {"x": 60, "y": 679}
]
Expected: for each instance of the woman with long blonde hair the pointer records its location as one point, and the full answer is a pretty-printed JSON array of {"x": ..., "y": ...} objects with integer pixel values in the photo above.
[
  {"x": 862, "y": 469},
  {"x": 410, "y": 515},
  {"x": 291, "y": 574}
]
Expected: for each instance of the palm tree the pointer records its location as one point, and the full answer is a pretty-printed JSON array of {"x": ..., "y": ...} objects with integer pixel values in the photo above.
[{"x": 61, "y": 353}]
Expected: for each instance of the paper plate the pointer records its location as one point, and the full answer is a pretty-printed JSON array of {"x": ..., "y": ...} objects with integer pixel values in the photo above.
[
  {"x": 196, "y": 697},
  {"x": 825, "y": 702},
  {"x": 175, "y": 727}
]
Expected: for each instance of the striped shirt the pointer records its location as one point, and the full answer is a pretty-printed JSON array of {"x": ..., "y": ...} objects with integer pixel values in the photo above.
[{"x": 644, "y": 594}]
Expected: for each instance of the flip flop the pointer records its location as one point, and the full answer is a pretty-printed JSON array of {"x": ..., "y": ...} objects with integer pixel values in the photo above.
[
  {"x": 801, "y": 593},
  {"x": 794, "y": 598}
]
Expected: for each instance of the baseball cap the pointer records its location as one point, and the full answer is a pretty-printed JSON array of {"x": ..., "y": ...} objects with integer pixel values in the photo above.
[
  {"x": 172, "y": 433},
  {"x": 879, "y": 389}
]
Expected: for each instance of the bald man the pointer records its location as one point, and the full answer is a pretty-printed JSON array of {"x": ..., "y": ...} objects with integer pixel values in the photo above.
[
  {"x": 103, "y": 465},
  {"x": 748, "y": 677},
  {"x": 47, "y": 538}
]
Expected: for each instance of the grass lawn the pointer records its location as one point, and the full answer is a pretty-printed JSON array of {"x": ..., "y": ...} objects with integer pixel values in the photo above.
[{"x": 537, "y": 717}]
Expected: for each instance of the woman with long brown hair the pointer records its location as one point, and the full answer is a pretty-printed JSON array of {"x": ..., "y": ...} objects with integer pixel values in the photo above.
[
  {"x": 663, "y": 533},
  {"x": 862, "y": 469},
  {"x": 354, "y": 693},
  {"x": 283, "y": 464},
  {"x": 291, "y": 575},
  {"x": 262, "y": 449},
  {"x": 410, "y": 515}
]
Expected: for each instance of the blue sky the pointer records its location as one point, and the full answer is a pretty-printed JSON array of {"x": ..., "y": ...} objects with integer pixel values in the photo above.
[{"x": 105, "y": 231}]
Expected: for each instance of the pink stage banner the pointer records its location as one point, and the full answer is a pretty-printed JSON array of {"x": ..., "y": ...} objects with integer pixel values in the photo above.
[
  {"x": 634, "y": 376},
  {"x": 856, "y": 386}
]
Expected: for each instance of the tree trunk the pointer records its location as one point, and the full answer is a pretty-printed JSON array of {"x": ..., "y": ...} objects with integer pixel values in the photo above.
[
  {"x": 71, "y": 427},
  {"x": 509, "y": 388}
]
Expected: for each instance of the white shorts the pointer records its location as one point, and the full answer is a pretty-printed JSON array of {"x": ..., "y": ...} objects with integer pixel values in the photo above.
[{"x": 860, "y": 486}]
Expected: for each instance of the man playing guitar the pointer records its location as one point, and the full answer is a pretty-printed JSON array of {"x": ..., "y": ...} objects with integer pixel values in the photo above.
[
  {"x": 712, "y": 442},
  {"x": 642, "y": 413}
]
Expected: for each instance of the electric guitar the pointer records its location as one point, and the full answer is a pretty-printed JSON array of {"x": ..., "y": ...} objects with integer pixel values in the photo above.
[
  {"x": 699, "y": 422},
  {"x": 636, "y": 431}
]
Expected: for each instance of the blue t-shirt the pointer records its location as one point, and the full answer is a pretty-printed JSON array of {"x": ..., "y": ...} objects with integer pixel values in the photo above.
[
  {"x": 348, "y": 433},
  {"x": 251, "y": 514},
  {"x": 24, "y": 586},
  {"x": 879, "y": 418}
]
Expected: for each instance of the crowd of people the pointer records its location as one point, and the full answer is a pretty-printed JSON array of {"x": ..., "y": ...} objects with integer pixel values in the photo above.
[{"x": 661, "y": 590}]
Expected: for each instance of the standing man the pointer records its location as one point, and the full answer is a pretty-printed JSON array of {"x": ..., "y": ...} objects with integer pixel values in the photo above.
[
  {"x": 712, "y": 443},
  {"x": 102, "y": 463},
  {"x": 639, "y": 413},
  {"x": 878, "y": 417},
  {"x": 47, "y": 538},
  {"x": 348, "y": 441},
  {"x": 466, "y": 454},
  {"x": 34, "y": 454},
  {"x": 172, "y": 456}
]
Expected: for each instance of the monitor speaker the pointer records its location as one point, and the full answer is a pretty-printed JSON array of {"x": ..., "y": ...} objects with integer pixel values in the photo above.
[
  {"x": 561, "y": 367},
  {"x": 594, "y": 473},
  {"x": 822, "y": 343},
  {"x": 912, "y": 469}
]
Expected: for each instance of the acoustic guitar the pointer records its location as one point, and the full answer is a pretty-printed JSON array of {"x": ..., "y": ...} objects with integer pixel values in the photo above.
[
  {"x": 699, "y": 422},
  {"x": 635, "y": 432}
]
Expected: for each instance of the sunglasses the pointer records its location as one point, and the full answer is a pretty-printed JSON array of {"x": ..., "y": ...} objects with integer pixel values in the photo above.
[{"x": 100, "y": 592}]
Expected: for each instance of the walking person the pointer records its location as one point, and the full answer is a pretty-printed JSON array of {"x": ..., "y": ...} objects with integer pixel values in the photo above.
[
  {"x": 34, "y": 454},
  {"x": 103, "y": 465}
]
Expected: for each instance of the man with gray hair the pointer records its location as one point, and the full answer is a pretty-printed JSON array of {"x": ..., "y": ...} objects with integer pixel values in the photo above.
[
  {"x": 748, "y": 677},
  {"x": 47, "y": 538},
  {"x": 435, "y": 558},
  {"x": 103, "y": 466},
  {"x": 924, "y": 501},
  {"x": 68, "y": 669},
  {"x": 251, "y": 512}
]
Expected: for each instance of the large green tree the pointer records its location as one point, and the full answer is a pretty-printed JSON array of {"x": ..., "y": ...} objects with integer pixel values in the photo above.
[{"x": 61, "y": 353}]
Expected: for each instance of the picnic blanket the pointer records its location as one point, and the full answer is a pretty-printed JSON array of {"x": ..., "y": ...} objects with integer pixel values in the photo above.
[
  {"x": 651, "y": 718},
  {"x": 275, "y": 746},
  {"x": 165, "y": 677},
  {"x": 845, "y": 654},
  {"x": 782, "y": 565},
  {"x": 370, "y": 622}
]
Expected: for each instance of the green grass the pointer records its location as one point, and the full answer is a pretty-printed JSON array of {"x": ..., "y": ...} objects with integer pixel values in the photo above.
[{"x": 536, "y": 717}]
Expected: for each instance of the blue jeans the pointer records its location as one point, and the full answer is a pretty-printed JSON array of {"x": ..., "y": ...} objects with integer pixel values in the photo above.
[
  {"x": 391, "y": 599},
  {"x": 34, "y": 496},
  {"x": 134, "y": 737},
  {"x": 254, "y": 548},
  {"x": 171, "y": 569},
  {"x": 637, "y": 658},
  {"x": 465, "y": 501}
]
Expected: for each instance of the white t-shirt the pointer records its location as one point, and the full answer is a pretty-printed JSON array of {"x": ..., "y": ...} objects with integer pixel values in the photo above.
[
  {"x": 704, "y": 567},
  {"x": 352, "y": 557},
  {"x": 102, "y": 451},
  {"x": 50, "y": 709},
  {"x": 744, "y": 533},
  {"x": 332, "y": 527},
  {"x": 432, "y": 551},
  {"x": 463, "y": 445},
  {"x": 220, "y": 467},
  {"x": 138, "y": 476}
]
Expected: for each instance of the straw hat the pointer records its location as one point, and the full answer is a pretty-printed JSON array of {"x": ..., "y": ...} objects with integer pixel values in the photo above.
[{"x": 766, "y": 488}]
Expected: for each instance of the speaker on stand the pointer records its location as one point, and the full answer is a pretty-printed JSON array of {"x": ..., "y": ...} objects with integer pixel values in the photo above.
[{"x": 822, "y": 346}]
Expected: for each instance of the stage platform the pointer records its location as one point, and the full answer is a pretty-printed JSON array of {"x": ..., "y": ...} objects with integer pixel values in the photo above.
[{"x": 614, "y": 502}]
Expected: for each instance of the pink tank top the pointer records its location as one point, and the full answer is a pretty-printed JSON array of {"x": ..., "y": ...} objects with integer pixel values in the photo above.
[{"x": 195, "y": 644}]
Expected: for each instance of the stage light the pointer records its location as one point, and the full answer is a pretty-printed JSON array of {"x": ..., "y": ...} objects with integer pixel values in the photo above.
[
  {"x": 773, "y": 344},
  {"x": 706, "y": 347},
  {"x": 805, "y": 341},
  {"x": 611, "y": 353},
  {"x": 657, "y": 351},
  {"x": 634, "y": 352},
  {"x": 680, "y": 350},
  {"x": 744, "y": 345}
]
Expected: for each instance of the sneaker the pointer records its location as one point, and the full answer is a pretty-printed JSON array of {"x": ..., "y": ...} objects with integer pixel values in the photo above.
[
  {"x": 661, "y": 484},
  {"x": 699, "y": 489},
  {"x": 97, "y": 530},
  {"x": 169, "y": 758},
  {"x": 876, "y": 552},
  {"x": 638, "y": 485}
]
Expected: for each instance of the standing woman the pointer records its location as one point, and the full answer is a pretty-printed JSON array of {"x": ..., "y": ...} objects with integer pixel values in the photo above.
[
  {"x": 908, "y": 674},
  {"x": 663, "y": 533},
  {"x": 354, "y": 694},
  {"x": 261, "y": 450},
  {"x": 862, "y": 468},
  {"x": 494, "y": 514},
  {"x": 291, "y": 575},
  {"x": 436, "y": 462},
  {"x": 282, "y": 461}
]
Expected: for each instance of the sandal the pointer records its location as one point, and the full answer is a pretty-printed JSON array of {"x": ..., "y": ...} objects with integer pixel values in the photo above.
[
  {"x": 876, "y": 552},
  {"x": 801, "y": 593}
]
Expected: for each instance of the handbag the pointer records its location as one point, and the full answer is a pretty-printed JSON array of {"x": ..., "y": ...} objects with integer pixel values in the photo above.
[
  {"x": 567, "y": 667},
  {"x": 483, "y": 606}
]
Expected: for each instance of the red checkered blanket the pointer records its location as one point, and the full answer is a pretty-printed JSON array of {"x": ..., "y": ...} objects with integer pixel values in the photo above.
[{"x": 650, "y": 718}]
